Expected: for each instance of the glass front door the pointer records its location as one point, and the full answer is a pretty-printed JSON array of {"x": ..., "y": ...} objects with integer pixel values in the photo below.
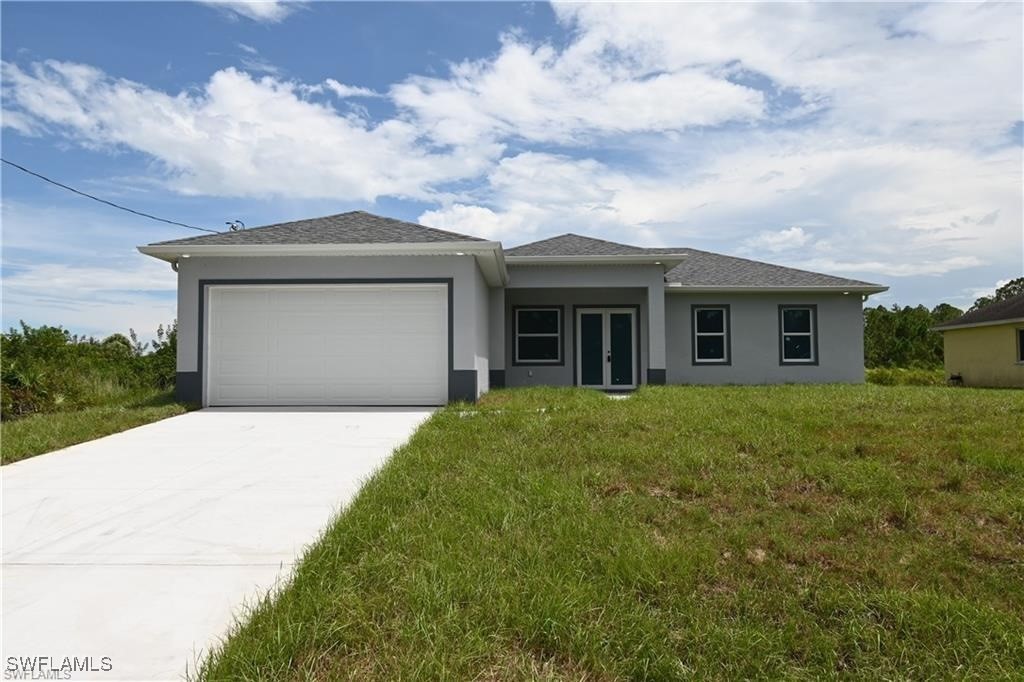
[{"x": 606, "y": 347}]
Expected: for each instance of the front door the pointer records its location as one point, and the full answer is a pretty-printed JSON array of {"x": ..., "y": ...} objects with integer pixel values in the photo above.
[{"x": 606, "y": 348}]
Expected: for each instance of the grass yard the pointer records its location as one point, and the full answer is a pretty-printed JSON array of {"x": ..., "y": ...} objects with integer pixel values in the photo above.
[
  {"x": 40, "y": 433},
  {"x": 720, "y": 532}
]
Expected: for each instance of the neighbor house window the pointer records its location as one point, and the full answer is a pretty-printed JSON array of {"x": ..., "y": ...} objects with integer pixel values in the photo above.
[
  {"x": 798, "y": 330},
  {"x": 710, "y": 334},
  {"x": 538, "y": 336},
  {"x": 1020, "y": 345}
]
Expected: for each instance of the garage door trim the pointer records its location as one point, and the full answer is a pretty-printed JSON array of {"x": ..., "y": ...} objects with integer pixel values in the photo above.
[{"x": 204, "y": 284}]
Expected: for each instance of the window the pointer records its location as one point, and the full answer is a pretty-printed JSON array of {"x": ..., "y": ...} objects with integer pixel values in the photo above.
[
  {"x": 1020, "y": 345},
  {"x": 798, "y": 334},
  {"x": 538, "y": 336},
  {"x": 711, "y": 335}
]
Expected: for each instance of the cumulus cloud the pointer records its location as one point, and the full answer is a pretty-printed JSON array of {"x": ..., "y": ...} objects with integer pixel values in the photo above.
[
  {"x": 538, "y": 93},
  {"x": 240, "y": 135}
]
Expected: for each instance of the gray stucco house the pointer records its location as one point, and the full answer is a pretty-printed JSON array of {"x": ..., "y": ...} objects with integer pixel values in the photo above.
[{"x": 358, "y": 309}]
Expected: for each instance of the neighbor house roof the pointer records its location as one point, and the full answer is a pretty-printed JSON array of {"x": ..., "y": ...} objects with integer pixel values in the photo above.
[
  {"x": 354, "y": 227},
  {"x": 1010, "y": 310}
]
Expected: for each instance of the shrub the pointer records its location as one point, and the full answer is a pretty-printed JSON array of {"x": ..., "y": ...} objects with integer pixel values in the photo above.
[
  {"x": 48, "y": 368},
  {"x": 899, "y": 376}
]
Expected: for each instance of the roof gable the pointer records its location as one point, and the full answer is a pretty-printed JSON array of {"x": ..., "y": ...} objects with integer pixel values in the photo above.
[
  {"x": 574, "y": 245},
  {"x": 354, "y": 227},
  {"x": 993, "y": 313}
]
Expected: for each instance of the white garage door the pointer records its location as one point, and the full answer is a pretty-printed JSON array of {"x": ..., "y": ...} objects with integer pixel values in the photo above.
[{"x": 348, "y": 344}]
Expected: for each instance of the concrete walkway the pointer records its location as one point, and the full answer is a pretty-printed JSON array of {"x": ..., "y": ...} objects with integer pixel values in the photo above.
[{"x": 141, "y": 546}]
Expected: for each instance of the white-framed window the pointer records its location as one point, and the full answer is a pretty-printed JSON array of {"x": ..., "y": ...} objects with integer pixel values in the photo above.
[
  {"x": 711, "y": 342},
  {"x": 1020, "y": 345},
  {"x": 798, "y": 334},
  {"x": 538, "y": 336}
]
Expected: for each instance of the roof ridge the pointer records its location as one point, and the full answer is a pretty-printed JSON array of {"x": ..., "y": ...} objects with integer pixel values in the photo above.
[
  {"x": 332, "y": 220},
  {"x": 577, "y": 236}
]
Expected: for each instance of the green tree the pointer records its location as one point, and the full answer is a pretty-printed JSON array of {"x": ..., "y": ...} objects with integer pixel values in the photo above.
[
  {"x": 902, "y": 336},
  {"x": 1012, "y": 289}
]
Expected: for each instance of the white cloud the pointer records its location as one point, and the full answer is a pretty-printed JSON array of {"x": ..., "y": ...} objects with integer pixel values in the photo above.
[
  {"x": 541, "y": 94},
  {"x": 935, "y": 70},
  {"x": 884, "y": 209},
  {"x": 263, "y": 11},
  {"x": 241, "y": 136},
  {"x": 77, "y": 267},
  {"x": 18, "y": 121},
  {"x": 342, "y": 90},
  {"x": 477, "y": 221},
  {"x": 774, "y": 242},
  {"x": 247, "y": 48}
]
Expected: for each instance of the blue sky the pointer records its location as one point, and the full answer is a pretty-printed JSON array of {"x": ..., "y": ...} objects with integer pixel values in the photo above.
[{"x": 876, "y": 141}]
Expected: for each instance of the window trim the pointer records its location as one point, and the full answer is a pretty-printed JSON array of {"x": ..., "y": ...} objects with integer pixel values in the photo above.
[
  {"x": 1020, "y": 345},
  {"x": 726, "y": 333},
  {"x": 560, "y": 334},
  {"x": 815, "y": 358}
]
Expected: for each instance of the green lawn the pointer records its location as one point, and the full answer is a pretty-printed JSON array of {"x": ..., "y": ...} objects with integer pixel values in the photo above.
[
  {"x": 39, "y": 433},
  {"x": 720, "y": 532}
]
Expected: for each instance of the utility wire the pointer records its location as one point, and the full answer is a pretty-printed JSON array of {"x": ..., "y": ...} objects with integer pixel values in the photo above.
[{"x": 104, "y": 201}]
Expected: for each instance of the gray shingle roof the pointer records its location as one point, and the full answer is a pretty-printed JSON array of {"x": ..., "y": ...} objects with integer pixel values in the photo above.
[
  {"x": 704, "y": 268},
  {"x": 354, "y": 227},
  {"x": 1010, "y": 309},
  {"x": 698, "y": 268},
  {"x": 574, "y": 245}
]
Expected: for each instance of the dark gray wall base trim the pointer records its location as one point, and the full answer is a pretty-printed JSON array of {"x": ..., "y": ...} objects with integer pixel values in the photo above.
[
  {"x": 463, "y": 386},
  {"x": 656, "y": 377},
  {"x": 188, "y": 388},
  {"x": 496, "y": 378}
]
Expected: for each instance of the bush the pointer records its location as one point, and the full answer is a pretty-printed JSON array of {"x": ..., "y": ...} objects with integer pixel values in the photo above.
[
  {"x": 898, "y": 376},
  {"x": 45, "y": 369}
]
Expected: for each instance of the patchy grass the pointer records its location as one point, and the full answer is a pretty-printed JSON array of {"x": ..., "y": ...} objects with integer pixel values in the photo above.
[
  {"x": 687, "y": 532},
  {"x": 40, "y": 433}
]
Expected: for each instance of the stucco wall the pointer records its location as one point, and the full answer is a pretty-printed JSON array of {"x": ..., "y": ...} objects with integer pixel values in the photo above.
[
  {"x": 481, "y": 328},
  {"x": 984, "y": 356},
  {"x": 754, "y": 322},
  {"x": 469, "y": 294},
  {"x": 589, "y": 284},
  {"x": 562, "y": 375}
]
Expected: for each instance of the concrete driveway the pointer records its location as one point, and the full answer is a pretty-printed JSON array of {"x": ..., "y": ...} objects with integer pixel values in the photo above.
[{"x": 141, "y": 546}]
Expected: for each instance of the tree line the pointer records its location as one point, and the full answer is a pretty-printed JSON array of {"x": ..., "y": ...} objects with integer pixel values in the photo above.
[
  {"x": 45, "y": 369},
  {"x": 903, "y": 336}
]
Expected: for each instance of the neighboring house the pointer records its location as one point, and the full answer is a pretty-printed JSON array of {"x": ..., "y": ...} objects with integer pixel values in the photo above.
[
  {"x": 357, "y": 309},
  {"x": 985, "y": 347}
]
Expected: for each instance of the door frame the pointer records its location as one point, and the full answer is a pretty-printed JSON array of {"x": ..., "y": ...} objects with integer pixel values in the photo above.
[{"x": 634, "y": 310}]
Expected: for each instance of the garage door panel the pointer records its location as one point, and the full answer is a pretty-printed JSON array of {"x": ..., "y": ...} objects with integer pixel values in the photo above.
[
  {"x": 337, "y": 344},
  {"x": 230, "y": 393}
]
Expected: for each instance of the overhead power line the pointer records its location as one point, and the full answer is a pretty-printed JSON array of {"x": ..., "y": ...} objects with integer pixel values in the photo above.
[{"x": 104, "y": 201}]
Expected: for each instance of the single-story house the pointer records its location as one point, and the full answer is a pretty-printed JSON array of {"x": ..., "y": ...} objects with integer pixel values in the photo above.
[
  {"x": 985, "y": 347},
  {"x": 359, "y": 309}
]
